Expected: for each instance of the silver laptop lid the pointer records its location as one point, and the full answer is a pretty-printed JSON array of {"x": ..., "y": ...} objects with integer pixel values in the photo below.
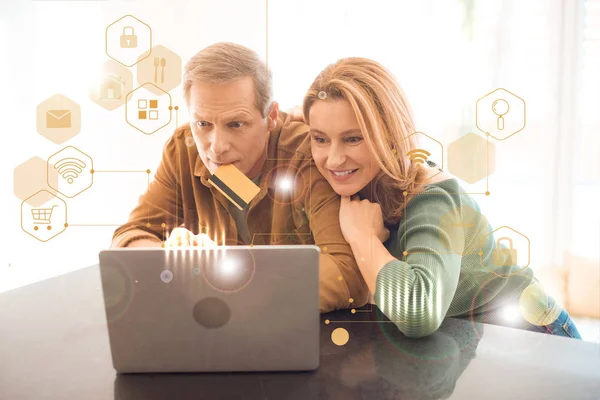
[{"x": 232, "y": 308}]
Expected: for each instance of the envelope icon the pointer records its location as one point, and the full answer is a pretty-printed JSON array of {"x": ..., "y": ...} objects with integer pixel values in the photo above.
[{"x": 58, "y": 119}]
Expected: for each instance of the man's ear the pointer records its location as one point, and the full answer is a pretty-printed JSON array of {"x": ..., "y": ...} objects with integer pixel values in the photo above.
[{"x": 272, "y": 115}]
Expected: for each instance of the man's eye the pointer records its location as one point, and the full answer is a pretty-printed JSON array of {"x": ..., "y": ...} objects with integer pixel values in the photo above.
[
  {"x": 354, "y": 139},
  {"x": 236, "y": 124},
  {"x": 202, "y": 124}
]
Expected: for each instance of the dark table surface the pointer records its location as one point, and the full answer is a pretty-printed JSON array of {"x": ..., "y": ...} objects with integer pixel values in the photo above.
[{"x": 54, "y": 345}]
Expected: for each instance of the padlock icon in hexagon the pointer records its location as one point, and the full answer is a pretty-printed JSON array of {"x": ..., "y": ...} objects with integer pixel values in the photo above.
[
  {"x": 504, "y": 257},
  {"x": 128, "y": 38}
]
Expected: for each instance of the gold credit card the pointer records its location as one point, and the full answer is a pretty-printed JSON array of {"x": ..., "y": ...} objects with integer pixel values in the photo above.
[{"x": 234, "y": 185}]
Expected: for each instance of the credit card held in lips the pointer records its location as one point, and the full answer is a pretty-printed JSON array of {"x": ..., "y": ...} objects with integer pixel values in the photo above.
[{"x": 234, "y": 185}]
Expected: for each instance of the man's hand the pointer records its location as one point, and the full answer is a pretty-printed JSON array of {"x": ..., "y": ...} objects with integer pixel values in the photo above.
[
  {"x": 360, "y": 220},
  {"x": 181, "y": 237},
  {"x": 145, "y": 243}
]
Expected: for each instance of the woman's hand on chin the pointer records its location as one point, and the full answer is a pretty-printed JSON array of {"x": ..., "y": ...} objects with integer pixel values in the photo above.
[{"x": 361, "y": 220}]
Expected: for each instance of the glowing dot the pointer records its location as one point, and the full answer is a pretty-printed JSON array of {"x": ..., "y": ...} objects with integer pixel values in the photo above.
[
  {"x": 325, "y": 248},
  {"x": 176, "y": 108},
  {"x": 340, "y": 336},
  {"x": 163, "y": 224},
  {"x": 66, "y": 225},
  {"x": 147, "y": 171},
  {"x": 163, "y": 245},
  {"x": 322, "y": 95},
  {"x": 481, "y": 253},
  {"x": 351, "y": 300},
  {"x": 487, "y": 193},
  {"x": 405, "y": 252},
  {"x": 166, "y": 276},
  {"x": 362, "y": 259},
  {"x": 405, "y": 193},
  {"x": 353, "y": 311},
  {"x": 148, "y": 225},
  {"x": 49, "y": 228},
  {"x": 35, "y": 228},
  {"x": 285, "y": 184},
  {"x": 487, "y": 134},
  {"x": 511, "y": 314},
  {"x": 229, "y": 267},
  {"x": 135, "y": 281},
  {"x": 92, "y": 171},
  {"x": 170, "y": 108},
  {"x": 393, "y": 151},
  {"x": 189, "y": 141},
  {"x": 340, "y": 278},
  {"x": 327, "y": 322}
]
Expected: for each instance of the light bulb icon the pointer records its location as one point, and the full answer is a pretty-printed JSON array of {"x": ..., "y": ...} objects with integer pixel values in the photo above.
[
  {"x": 500, "y": 107},
  {"x": 69, "y": 168}
]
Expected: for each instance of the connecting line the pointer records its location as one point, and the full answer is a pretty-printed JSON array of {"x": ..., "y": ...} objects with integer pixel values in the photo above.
[
  {"x": 95, "y": 224},
  {"x": 95, "y": 171},
  {"x": 363, "y": 311}
]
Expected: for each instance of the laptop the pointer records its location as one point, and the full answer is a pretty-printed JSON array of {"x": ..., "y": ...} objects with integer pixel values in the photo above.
[{"x": 223, "y": 309}]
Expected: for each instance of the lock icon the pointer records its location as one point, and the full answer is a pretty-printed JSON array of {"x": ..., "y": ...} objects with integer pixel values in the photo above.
[
  {"x": 504, "y": 257},
  {"x": 128, "y": 38}
]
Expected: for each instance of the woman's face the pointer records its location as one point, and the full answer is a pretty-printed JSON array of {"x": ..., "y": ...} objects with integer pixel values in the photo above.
[{"x": 338, "y": 147}]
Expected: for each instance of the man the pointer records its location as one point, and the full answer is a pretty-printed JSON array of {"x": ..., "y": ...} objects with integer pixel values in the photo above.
[{"x": 233, "y": 121}]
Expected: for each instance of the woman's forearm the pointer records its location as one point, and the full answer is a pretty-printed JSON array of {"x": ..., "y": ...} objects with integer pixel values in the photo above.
[{"x": 371, "y": 255}]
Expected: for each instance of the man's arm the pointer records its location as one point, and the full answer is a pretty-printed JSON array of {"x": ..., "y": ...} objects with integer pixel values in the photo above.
[
  {"x": 161, "y": 204},
  {"x": 339, "y": 276}
]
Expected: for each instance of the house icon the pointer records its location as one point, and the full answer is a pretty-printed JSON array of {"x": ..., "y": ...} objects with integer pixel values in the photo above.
[{"x": 112, "y": 88}]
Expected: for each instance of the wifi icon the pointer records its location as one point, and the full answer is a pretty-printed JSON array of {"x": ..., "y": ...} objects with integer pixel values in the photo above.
[
  {"x": 418, "y": 155},
  {"x": 69, "y": 168},
  {"x": 70, "y": 171}
]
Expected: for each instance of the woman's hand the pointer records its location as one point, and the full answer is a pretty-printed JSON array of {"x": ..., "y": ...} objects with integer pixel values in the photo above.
[{"x": 360, "y": 220}]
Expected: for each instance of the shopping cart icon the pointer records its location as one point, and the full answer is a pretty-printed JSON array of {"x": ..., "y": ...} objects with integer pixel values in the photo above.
[{"x": 41, "y": 216}]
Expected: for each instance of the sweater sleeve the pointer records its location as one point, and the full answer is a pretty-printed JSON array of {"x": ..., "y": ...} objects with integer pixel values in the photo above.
[{"x": 415, "y": 290}]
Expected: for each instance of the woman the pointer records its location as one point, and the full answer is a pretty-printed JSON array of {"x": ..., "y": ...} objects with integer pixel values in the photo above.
[{"x": 439, "y": 258}]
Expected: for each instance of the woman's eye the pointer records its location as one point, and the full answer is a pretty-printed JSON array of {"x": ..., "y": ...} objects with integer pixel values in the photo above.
[
  {"x": 319, "y": 140},
  {"x": 354, "y": 139}
]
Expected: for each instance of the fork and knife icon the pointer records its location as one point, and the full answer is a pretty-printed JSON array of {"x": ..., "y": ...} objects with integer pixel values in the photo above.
[{"x": 162, "y": 63}]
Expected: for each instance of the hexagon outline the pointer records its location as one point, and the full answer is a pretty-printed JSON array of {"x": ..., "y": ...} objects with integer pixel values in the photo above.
[
  {"x": 438, "y": 142},
  {"x": 158, "y": 46},
  {"x": 494, "y": 272},
  {"x": 66, "y": 215},
  {"x": 127, "y": 104},
  {"x": 511, "y": 93},
  {"x": 106, "y": 40},
  {"x": 58, "y": 191}
]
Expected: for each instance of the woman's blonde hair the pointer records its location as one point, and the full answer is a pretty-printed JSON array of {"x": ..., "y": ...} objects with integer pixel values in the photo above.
[
  {"x": 385, "y": 121},
  {"x": 224, "y": 62}
]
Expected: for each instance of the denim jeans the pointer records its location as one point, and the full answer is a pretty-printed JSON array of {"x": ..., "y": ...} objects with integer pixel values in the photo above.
[{"x": 562, "y": 326}]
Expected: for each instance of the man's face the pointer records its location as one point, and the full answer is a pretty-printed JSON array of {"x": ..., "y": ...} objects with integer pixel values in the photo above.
[{"x": 228, "y": 127}]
